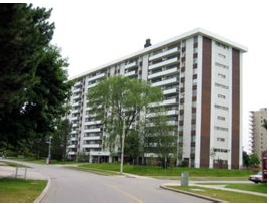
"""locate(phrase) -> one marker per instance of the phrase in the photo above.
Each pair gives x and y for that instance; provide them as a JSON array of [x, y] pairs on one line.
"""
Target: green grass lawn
[[20, 191], [232, 197], [13, 164], [259, 188], [157, 171]]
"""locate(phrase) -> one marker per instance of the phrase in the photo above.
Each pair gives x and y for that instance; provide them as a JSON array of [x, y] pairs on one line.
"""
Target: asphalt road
[[71, 186]]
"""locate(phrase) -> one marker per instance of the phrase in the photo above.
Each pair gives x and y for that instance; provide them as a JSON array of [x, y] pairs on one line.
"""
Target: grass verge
[[258, 188], [19, 190], [173, 173], [232, 197], [13, 164]]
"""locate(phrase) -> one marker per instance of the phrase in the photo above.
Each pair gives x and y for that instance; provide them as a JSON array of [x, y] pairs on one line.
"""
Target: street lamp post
[[49, 155], [122, 144]]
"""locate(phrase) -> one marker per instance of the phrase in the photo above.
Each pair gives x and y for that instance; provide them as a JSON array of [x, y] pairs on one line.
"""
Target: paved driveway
[[71, 186]]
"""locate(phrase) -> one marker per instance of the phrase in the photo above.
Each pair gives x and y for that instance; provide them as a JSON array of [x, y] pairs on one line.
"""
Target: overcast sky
[[93, 33]]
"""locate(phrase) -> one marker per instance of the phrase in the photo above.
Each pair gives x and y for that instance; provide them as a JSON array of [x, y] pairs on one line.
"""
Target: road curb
[[193, 194], [41, 196]]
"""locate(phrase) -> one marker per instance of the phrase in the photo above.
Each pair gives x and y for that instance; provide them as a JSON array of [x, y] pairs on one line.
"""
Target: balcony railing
[[96, 77], [130, 65], [163, 73], [92, 138], [93, 130], [163, 63], [91, 146], [162, 54], [169, 91], [164, 82], [93, 122], [130, 73]]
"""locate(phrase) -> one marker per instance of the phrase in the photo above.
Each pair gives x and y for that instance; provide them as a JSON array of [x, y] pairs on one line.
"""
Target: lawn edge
[[193, 194], [41, 196]]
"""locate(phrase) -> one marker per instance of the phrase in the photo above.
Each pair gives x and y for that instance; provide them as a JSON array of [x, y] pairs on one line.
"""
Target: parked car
[[256, 178]]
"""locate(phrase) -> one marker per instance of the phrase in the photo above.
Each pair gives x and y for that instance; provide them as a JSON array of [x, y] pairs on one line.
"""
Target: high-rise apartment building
[[258, 133], [200, 76]]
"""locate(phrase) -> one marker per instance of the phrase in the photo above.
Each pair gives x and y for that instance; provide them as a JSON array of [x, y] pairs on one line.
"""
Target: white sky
[[93, 33]]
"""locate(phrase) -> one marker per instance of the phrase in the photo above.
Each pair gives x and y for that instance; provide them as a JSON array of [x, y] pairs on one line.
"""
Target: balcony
[[75, 104], [93, 122], [98, 76], [72, 153], [164, 63], [165, 82], [93, 153], [163, 73], [73, 139], [78, 83], [75, 111], [92, 85], [131, 73], [76, 90], [74, 132], [170, 101], [92, 138], [165, 53], [74, 125], [172, 123], [76, 97], [74, 118], [133, 64], [71, 146], [169, 91], [172, 112], [93, 130], [92, 146]]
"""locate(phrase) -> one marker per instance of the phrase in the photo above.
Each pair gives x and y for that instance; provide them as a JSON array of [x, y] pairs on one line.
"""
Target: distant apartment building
[[200, 74], [258, 134]]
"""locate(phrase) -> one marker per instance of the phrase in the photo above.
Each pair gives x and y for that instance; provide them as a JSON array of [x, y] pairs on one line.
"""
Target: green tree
[[60, 140], [32, 77], [246, 159], [160, 137], [24, 32], [133, 146], [120, 99], [44, 101], [254, 160]]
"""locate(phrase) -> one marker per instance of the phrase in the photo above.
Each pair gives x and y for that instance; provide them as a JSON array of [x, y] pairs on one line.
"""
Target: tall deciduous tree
[[118, 99], [160, 137]]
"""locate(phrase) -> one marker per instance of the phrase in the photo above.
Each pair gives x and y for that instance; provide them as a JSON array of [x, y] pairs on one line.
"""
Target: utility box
[[185, 179]]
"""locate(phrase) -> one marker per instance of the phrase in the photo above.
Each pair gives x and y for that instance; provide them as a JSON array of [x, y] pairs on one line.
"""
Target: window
[[222, 55], [219, 139], [222, 45], [221, 128], [221, 96], [221, 118], [221, 65], [222, 75], [221, 107], [221, 85]]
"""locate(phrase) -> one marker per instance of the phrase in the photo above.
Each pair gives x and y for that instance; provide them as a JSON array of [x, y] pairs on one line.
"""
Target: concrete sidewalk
[[20, 172]]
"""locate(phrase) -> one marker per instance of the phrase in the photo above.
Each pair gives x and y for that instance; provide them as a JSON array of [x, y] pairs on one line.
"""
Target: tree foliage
[[60, 140], [24, 32], [33, 80], [254, 160], [159, 136], [119, 98]]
